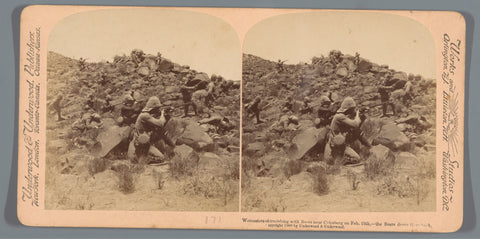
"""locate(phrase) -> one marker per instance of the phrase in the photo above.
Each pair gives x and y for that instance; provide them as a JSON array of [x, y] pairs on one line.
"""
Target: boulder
[[130, 67], [391, 136], [305, 140], [165, 65], [256, 148], [342, 71], [381, 161], [143, 71], [109, 138], [364, 66], [196, 137], [172, 89]]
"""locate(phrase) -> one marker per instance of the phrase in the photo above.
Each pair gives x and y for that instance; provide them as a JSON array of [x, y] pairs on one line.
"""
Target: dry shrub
[[396, 187], [249, 164], [97, 165], [126, 182], [292, 167], [159, 179], [207, 187], [320, 184], [186, 166], [352, 180], [379, 166]]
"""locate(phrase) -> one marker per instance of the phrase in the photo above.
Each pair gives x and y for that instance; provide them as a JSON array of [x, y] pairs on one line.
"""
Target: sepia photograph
[[142, 115], [241, 118], [339, 114]]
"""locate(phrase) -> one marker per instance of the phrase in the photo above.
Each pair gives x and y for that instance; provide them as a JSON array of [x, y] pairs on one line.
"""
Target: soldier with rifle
[[150, 120], [280, 67]]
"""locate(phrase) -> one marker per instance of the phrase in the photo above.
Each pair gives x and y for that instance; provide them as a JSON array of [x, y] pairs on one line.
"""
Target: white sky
[[399, 42], [206, 43]]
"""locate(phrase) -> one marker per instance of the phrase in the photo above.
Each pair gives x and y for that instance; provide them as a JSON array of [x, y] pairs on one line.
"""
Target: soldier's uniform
[[254, 108], [210, 92], [56, 105], [187, 92], [145, 125]]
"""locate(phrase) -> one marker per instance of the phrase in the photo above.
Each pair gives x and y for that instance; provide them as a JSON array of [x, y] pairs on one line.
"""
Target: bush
[[126, 183], [183, 166], [97, 165], [320, 185]]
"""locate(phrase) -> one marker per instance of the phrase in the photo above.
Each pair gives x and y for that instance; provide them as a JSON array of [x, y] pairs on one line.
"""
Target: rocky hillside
[[87, 169]]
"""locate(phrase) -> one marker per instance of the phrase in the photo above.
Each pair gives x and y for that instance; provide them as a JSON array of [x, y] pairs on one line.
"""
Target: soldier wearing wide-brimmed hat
[[147, 122]]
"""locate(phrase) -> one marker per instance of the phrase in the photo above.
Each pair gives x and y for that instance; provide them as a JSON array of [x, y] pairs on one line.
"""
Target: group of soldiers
[[146, 121], [343, 121]]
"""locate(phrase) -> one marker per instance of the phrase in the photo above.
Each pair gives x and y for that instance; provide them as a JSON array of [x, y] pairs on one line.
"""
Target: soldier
[[356, 61], [385, 92], [128, 112], [222, 124], [326, 111], [90, 104], [108, 107], [159, 58], [81, 64], [283, 124], [149, 120], [89, 120], [280, 65], [57, 106], [289, 104], [254, 108], [103, 80], [210, 92], [345, 120], [306, 108], [187, 92]]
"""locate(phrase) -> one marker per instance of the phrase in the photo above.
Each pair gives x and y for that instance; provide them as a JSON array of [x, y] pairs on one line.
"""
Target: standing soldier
[[356, 61], [57, 106], [385, 92], [149, 120], [210, 92], [345, 120], [159, 58], [254, 108], [280, 65], [81, 63], [187, 92]]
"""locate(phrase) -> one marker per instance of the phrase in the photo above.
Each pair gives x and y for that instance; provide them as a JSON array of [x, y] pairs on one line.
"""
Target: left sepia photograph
[[143, 112]]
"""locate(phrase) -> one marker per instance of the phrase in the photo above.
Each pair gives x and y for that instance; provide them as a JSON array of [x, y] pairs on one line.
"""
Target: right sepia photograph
[[339, 114]]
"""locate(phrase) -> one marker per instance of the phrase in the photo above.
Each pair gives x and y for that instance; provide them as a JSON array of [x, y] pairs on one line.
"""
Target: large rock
[[381, 161], [172, 89], [110, 138], [143, 71], [256, 148], [342, 71], [364, 66], [391, 136], [195, 136], [305, 140]]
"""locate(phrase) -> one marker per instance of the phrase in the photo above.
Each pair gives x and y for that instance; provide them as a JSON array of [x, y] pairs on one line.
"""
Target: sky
[[205, 43], [397, 41]]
